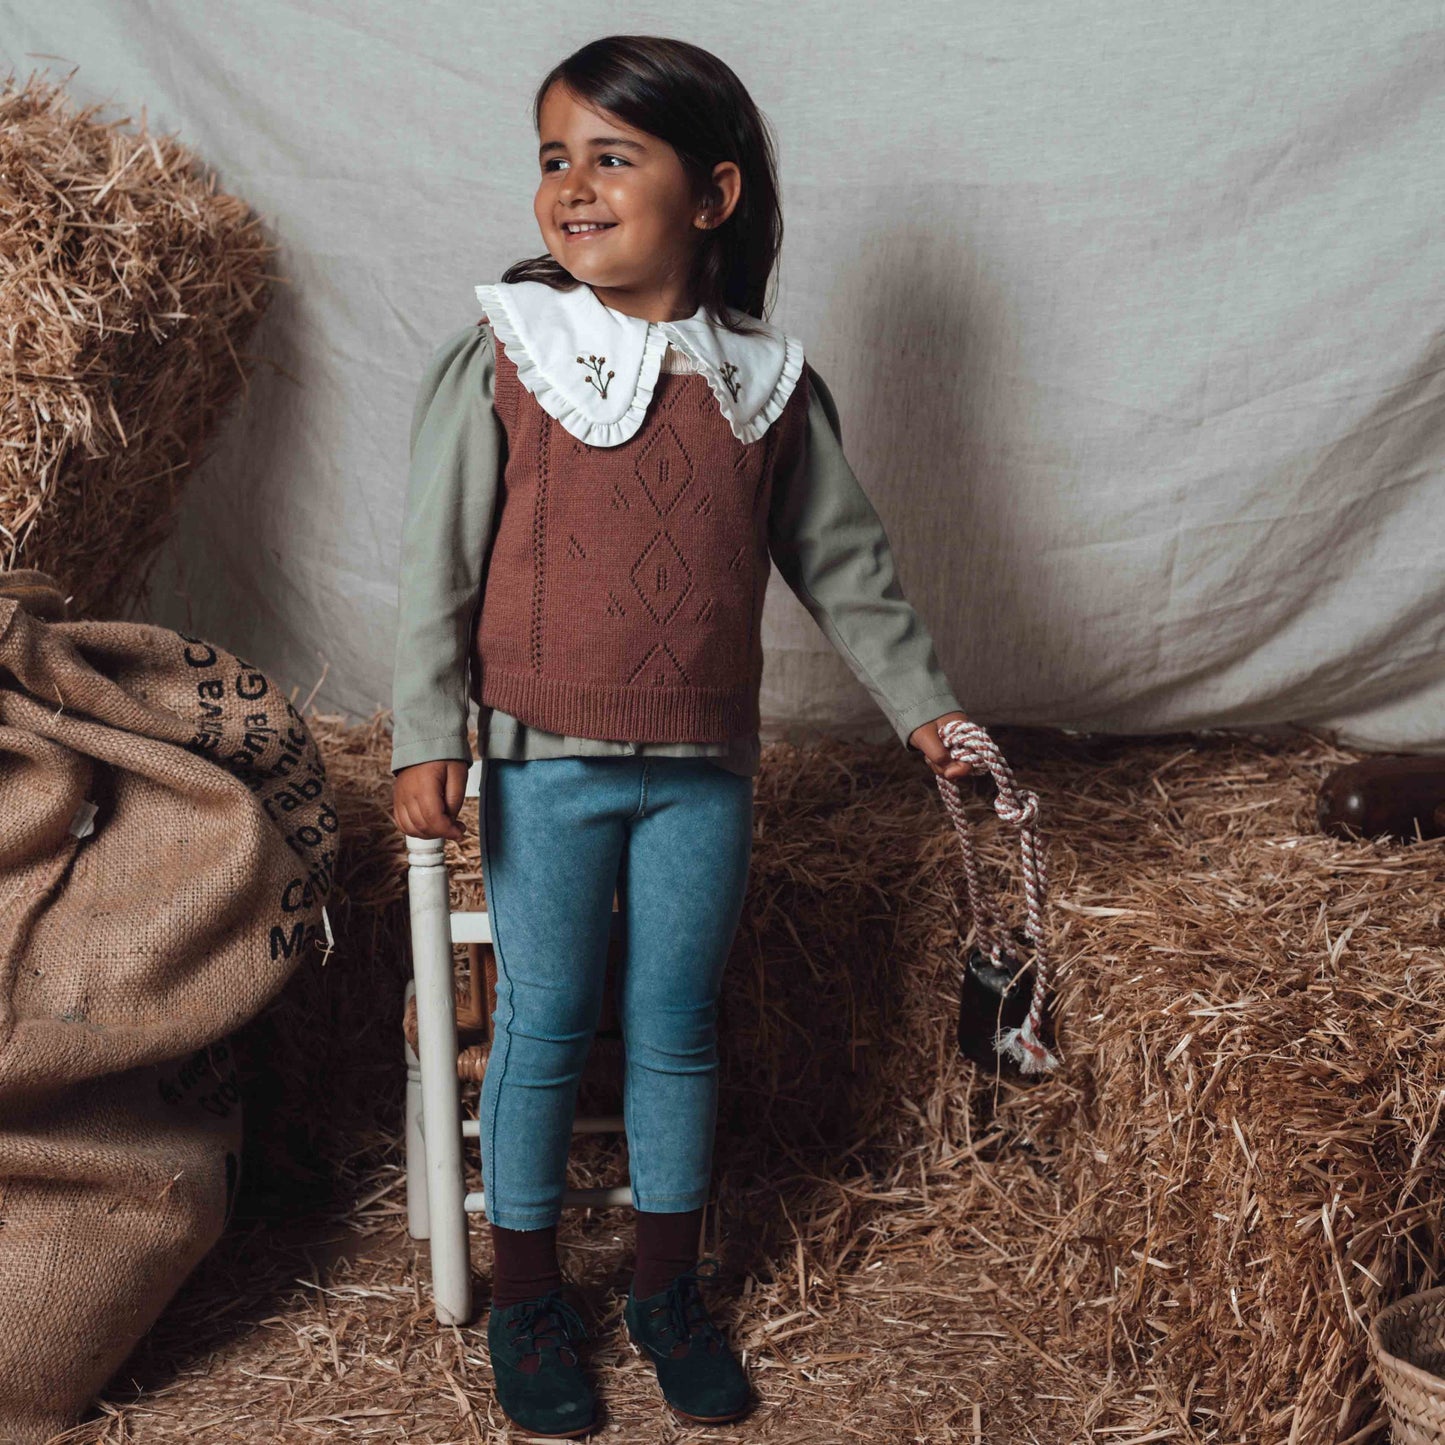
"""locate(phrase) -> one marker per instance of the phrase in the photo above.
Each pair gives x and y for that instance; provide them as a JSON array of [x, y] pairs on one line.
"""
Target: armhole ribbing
[[790, 431], [504, 381]]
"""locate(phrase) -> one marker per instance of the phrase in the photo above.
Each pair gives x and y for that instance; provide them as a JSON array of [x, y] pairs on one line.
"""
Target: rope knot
[[1022, 812]]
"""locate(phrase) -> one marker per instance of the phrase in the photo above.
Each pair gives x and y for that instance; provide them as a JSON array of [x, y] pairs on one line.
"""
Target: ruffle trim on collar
[[751, 431], [551, 398], [548, 330]]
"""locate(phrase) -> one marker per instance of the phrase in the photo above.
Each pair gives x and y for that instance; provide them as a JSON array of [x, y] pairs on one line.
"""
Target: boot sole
[[558, 1435], [708, 1419], [682, 1414]]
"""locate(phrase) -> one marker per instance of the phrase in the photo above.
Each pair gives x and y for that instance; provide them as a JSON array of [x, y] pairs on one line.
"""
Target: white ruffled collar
[[594, 369]]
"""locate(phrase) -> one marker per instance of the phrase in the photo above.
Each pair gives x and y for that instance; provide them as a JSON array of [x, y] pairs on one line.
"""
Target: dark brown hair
[[686, 96]]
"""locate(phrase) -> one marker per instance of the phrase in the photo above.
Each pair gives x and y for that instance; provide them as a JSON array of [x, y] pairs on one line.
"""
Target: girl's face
[[597, 168]]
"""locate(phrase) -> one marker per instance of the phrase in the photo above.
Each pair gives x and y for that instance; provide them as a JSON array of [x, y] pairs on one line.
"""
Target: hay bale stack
[[910, 1247], [1252, 1131], [130, 284], [1181, 1233]]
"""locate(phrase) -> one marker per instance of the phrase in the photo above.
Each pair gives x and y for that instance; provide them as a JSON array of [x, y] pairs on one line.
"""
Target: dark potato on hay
[[1399, 796]]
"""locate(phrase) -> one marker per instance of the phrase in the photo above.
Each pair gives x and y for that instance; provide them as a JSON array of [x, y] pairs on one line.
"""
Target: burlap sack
[[167, 840]]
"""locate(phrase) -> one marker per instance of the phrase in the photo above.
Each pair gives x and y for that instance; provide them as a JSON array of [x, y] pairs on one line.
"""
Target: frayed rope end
[[1023, 1046]]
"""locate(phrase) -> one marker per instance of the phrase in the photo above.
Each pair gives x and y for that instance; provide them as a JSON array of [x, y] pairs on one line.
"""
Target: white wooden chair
[[437, 1201]]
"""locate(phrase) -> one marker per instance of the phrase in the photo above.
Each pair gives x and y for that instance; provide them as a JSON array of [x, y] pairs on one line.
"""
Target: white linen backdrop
[[1133, 312]]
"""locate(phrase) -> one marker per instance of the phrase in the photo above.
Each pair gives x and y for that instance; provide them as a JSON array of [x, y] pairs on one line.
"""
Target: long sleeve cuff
[[911, 719], [405, 754]]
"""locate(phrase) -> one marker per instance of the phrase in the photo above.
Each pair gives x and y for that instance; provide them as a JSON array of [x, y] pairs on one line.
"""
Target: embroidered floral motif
[[728, 372], [596, 364]]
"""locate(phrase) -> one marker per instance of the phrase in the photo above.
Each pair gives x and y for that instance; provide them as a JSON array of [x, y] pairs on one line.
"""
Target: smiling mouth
[[593, 228]]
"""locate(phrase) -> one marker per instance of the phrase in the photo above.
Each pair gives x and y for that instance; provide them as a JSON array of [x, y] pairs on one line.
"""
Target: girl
[[603, 469]]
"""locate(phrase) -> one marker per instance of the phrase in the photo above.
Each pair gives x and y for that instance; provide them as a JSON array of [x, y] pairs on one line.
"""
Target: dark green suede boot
[[538, 1373], [700, 1377]]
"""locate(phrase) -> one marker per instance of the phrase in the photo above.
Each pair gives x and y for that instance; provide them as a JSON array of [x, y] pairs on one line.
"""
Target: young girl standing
[[603, 470]]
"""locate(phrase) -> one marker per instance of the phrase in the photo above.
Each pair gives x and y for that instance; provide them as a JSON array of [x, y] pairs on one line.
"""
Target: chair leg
[[441, 1104], [418, 1217]]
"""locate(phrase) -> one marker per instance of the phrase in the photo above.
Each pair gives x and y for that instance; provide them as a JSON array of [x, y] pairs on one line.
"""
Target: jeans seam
[[489, 1186]]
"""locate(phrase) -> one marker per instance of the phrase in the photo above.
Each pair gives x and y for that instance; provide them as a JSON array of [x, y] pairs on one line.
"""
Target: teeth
[[589, 226]]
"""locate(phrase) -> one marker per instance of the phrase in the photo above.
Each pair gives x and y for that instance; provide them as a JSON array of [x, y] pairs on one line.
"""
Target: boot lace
[[687, 1317], [547, 1320]]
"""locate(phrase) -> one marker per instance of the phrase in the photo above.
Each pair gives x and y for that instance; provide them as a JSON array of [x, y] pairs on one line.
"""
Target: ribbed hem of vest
[[631, 714]]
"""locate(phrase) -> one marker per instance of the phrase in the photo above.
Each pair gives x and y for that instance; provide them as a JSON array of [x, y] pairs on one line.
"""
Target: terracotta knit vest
[[624, 591]]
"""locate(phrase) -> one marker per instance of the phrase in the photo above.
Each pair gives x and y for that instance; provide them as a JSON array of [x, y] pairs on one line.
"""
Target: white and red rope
[[969, 742]]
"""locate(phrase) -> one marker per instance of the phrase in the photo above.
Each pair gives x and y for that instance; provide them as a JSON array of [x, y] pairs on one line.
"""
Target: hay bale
[[130, 284], [1251, 1134]]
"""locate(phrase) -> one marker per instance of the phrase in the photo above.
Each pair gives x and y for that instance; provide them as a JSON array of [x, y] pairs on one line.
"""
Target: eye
[[548, 164]]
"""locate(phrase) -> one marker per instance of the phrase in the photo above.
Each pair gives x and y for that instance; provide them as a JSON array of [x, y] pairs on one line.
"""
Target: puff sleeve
[[458, 449], [829, 544]]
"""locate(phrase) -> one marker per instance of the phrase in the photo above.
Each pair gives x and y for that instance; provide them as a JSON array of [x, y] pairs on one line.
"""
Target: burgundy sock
[[524, 1264], [666, 1246]]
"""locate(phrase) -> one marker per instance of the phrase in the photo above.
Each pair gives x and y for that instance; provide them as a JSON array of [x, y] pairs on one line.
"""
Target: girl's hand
[[427, 797], [928, 742]]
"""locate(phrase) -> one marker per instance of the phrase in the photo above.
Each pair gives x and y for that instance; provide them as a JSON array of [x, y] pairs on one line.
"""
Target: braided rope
[[969, 742]]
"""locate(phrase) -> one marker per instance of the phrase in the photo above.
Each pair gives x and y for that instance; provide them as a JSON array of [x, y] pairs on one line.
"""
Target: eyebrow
[[597, 140]]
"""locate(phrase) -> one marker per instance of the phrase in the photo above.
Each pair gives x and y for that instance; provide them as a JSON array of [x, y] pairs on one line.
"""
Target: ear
[[726, 189]]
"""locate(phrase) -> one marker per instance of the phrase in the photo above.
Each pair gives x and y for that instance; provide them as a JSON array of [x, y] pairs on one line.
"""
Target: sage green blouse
[[824, 537]]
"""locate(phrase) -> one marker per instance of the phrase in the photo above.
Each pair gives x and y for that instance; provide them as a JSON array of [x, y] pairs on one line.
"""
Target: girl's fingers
[[456, 788], [440, 823], [430, 820], [952, 769], [419, 799]]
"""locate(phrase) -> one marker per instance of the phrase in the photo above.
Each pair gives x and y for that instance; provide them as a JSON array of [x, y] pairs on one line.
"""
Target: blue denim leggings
[[674, 837]]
